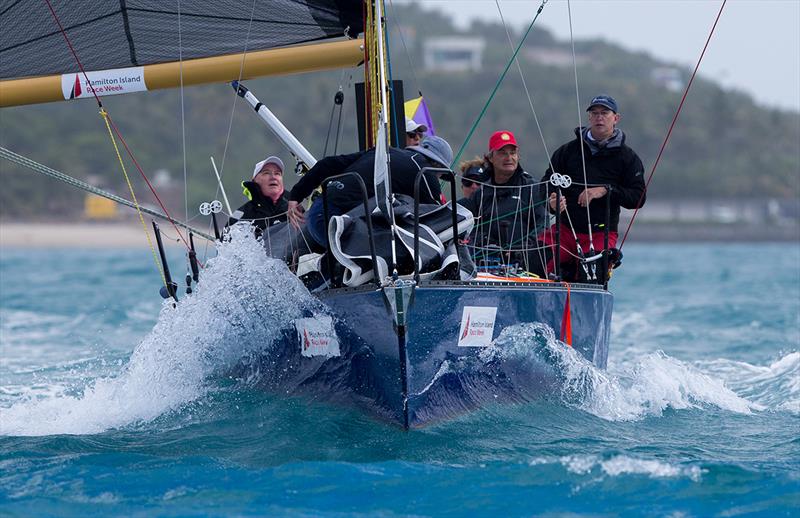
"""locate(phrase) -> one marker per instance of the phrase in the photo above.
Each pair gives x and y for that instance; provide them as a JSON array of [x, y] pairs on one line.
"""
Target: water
[[114, 404]]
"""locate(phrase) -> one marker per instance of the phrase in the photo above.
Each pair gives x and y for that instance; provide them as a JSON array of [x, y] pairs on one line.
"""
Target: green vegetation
[[723, 145]]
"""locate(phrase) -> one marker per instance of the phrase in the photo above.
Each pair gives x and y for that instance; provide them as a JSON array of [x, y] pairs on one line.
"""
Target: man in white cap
[[267, 203], [414, 132]]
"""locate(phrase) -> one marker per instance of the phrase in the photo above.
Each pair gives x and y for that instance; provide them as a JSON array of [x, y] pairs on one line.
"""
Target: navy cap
[[604, 100]]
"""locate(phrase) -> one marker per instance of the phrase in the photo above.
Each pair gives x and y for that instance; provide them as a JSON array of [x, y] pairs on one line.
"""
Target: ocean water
[[113, 403]]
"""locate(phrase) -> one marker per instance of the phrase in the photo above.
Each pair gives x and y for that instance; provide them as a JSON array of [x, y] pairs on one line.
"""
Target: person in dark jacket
[[614, 174], [345, 194], [473, 172], [509, 208], [267, 203]]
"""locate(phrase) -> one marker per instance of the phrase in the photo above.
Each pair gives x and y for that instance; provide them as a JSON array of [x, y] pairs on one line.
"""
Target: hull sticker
[[477, 326], [317, 337]]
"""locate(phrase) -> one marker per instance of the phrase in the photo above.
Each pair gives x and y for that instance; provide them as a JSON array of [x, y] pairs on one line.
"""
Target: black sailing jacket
[[260, 209], [346, 194], [509, 215], [616, 165]]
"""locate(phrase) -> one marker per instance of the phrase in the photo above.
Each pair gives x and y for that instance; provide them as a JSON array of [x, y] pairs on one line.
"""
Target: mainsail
[[130, 34]]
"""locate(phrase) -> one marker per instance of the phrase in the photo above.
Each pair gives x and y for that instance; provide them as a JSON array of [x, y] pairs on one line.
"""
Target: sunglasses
[[415, 134], [467, 183]]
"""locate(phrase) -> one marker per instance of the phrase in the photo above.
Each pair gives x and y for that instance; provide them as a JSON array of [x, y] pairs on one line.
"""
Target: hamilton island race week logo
[[477, 326], [317, 336], [104, 82]]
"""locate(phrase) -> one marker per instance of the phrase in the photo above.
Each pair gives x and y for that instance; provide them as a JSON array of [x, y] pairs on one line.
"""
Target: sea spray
[[775, 386], [241, 305], [645, 387]]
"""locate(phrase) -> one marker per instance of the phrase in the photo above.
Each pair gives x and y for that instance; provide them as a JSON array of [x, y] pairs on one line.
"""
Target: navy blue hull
[[429, 372]]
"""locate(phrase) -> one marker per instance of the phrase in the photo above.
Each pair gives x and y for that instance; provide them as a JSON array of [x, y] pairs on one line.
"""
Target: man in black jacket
[[267, 203], [509, 208], [345, 194], [614, 174]]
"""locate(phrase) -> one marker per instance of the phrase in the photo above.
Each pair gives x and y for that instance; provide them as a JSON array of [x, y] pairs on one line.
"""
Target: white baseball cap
[[269, 160], [412, 126]]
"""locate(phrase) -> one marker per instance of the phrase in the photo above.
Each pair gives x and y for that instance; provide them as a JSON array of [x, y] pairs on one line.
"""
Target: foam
[[646, 386], [624, 465], [240, 306], [775, 386]]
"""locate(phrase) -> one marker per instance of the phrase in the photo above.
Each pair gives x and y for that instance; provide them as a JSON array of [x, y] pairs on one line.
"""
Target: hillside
[[724, 145]]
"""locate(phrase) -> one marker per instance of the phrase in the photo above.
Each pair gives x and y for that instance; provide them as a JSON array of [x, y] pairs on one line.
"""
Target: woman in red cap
[[509, 208]]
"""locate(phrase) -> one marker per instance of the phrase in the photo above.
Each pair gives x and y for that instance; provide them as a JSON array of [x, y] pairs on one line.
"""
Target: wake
[[641, 387]]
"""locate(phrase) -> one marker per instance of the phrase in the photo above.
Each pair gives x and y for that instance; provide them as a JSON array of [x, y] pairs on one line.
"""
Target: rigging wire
[[69, 180], [111, 125], [396, 20], [530, 99], [580, 130], [497, 85], [672, 125], [183, 118], [233, 111], [235, 95]]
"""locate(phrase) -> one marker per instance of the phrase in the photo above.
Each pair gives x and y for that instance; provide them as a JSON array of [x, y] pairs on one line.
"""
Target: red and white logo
[[477, 326], [317, 337], [76, 88], [103, 82]]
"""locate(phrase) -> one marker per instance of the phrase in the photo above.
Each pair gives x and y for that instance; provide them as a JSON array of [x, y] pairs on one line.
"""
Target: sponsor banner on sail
[[317, 337], [103, 82], [477, 326]]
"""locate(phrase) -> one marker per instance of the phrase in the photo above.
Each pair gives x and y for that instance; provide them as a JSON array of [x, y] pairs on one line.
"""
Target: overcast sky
[[755, 47]]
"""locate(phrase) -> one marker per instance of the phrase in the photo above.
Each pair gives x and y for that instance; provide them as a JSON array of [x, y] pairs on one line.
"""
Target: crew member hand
[[590, 194], [295, 213], [553, 203]]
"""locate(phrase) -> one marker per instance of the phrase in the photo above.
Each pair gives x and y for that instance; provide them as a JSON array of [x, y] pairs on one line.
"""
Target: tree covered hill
[[724, 145]]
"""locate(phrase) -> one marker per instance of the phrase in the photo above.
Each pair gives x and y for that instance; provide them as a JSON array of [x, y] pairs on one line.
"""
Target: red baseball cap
[[500, 139]]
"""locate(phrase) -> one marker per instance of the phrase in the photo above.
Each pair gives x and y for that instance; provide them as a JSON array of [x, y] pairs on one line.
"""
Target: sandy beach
[[79, 235]]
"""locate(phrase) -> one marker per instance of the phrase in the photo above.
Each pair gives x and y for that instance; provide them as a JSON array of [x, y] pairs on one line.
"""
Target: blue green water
[[111, 404]]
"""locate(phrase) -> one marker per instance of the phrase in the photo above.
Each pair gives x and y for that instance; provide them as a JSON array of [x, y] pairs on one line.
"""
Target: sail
[[130, 33], [139, 45]]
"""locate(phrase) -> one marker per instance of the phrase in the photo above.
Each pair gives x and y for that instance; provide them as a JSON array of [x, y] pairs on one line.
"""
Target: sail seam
[[127, 25], [4, 11], [58, 32]]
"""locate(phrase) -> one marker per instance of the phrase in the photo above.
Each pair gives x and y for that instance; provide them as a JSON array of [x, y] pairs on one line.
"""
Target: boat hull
[[431, 369]]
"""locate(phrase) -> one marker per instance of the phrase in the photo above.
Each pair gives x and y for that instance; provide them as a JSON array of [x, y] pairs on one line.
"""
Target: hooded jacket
[[612, 163], [261, 210]]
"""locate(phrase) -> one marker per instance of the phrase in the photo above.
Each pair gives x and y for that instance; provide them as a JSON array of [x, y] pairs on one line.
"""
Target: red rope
[[119, 135], [674, 120]]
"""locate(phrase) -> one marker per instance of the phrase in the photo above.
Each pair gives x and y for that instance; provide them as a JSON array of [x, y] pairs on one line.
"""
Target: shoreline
[[131, 234], [78, 235]]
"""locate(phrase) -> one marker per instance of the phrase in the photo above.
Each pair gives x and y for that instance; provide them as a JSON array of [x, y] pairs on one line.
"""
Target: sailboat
[[395, 333]]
